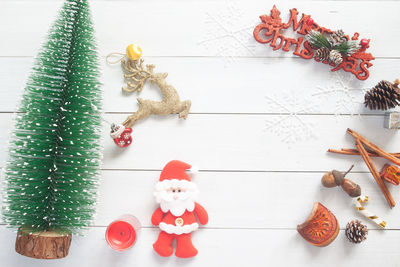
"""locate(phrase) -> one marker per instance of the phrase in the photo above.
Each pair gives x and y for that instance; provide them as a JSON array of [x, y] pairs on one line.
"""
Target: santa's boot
[[163, 244], [184, 246]]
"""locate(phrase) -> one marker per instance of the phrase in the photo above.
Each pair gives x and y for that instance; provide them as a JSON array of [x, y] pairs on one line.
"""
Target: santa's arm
[[157, 217], [201, 213]]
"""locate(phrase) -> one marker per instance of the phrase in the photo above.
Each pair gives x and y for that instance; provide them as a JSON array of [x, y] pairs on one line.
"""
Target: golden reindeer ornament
[[136, 75]]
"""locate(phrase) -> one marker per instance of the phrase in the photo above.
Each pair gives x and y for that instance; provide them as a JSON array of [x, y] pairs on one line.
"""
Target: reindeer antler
[[135, 75]]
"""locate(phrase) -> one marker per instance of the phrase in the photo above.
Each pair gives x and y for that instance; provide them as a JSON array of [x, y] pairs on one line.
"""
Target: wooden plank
[[240, 142], [245, 199], [194, 28], [245, 86], [247, 142], [264, 200], [221, 248]]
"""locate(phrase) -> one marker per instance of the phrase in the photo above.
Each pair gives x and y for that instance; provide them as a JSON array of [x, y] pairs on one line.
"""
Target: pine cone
[[383, 96], [322, 53], [337, 37], [356, 232], [335, 57]]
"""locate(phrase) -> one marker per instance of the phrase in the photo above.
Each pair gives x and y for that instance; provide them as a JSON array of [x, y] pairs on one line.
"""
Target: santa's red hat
[[175, 169], [176, 173]]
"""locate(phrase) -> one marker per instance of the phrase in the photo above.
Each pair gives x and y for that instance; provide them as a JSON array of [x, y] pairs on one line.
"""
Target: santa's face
[[176, 196], [177, 192]]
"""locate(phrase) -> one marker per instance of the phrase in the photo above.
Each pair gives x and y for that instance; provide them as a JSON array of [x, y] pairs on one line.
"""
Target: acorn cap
[[339, 177]]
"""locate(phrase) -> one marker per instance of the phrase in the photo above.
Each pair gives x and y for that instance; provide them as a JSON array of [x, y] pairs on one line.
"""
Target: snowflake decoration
[[342, 89], [228, 32], [290, 124]]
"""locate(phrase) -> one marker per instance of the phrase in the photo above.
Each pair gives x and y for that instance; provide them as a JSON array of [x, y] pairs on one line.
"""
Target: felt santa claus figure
[[176, 216]]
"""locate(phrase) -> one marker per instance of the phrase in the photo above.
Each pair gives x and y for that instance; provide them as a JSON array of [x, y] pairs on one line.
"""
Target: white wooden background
[[260, 125]]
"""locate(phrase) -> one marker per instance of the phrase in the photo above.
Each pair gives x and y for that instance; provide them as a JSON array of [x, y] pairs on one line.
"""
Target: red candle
[[121, 234]]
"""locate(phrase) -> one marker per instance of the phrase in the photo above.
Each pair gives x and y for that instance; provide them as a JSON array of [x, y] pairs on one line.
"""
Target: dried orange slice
[[390, 174], [320, 228]]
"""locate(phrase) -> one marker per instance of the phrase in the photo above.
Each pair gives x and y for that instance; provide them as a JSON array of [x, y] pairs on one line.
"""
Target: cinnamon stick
[[373, 147], [355, 152], [375, 173], [397, 155]]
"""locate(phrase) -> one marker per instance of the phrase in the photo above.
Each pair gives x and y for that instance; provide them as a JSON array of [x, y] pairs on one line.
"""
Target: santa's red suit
[[176, 216]]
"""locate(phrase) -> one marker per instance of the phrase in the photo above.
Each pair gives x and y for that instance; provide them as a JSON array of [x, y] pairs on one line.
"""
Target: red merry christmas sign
[[269, 31]]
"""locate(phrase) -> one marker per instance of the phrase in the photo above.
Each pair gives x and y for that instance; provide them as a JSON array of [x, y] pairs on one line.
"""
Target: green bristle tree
[[53, 166]]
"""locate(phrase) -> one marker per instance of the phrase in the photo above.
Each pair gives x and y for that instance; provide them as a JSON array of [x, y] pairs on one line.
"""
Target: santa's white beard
[[178, 206]]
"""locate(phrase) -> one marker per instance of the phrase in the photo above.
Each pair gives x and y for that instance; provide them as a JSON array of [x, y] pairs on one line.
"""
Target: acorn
[[351, 188], [328, 180], [336, 178]]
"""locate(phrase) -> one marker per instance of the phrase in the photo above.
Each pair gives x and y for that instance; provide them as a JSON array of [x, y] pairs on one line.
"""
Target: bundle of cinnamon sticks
[[374, 151]]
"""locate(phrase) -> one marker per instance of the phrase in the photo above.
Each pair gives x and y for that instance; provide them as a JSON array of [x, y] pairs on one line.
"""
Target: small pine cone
[[356, 232], [322, 53], [335, 57], [383, 96], [337, 37]]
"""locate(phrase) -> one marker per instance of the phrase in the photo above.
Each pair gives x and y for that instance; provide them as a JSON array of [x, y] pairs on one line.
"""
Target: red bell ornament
[[310, 22], [364, 43], [121, 135]]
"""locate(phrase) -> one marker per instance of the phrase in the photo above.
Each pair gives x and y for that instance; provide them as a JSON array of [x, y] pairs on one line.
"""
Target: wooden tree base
[[42, 245]]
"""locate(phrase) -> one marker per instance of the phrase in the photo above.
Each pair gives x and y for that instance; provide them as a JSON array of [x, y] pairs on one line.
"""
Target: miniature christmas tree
[[54, 153]]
